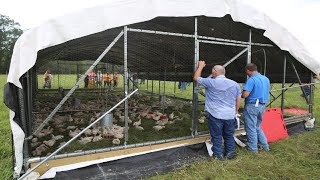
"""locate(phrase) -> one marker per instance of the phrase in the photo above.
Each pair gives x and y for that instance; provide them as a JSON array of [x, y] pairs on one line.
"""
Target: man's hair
[[251, 67]]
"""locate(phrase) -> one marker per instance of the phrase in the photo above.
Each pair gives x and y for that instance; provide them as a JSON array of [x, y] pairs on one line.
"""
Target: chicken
[[171, 122], [202, 119], [85, 140], [71, 127], [156, 118], [50, 142], [140, 128], [158, 128], [34, 144], [88, 132], [137, 123], [97, 138], [57, 137], [96, 115], [171, 115], [118, 135], [74, 133], [116, 141], [70, 119], [39, 150], [95, 131]]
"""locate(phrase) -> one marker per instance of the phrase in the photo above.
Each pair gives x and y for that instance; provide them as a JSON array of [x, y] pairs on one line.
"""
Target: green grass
[[5, 136], [297, 157]]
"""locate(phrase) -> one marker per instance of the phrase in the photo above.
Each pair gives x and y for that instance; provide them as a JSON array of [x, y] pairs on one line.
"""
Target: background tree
[[9, 33]]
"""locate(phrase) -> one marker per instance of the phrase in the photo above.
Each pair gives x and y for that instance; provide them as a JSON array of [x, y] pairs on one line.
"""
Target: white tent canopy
[[125, 12]]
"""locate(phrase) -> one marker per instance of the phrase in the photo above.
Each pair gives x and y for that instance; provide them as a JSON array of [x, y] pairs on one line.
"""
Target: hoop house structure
[[157, 41]]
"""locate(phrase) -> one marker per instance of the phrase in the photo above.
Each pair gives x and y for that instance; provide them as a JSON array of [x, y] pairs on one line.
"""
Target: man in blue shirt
[[256, 94], [223, 98]]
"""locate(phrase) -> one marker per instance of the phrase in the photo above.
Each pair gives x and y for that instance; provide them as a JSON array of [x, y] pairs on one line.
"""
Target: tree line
[[9, 33]]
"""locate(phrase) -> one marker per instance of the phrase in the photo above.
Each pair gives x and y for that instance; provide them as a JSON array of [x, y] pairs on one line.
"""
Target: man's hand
[[201, 64], [197, 74]]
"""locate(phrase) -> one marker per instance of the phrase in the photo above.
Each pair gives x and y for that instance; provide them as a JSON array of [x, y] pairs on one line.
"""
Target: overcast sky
[[300, 17]]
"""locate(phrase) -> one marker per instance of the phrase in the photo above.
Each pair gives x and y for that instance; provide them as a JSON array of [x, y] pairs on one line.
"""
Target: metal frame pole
[[147, 82], [174, 89], [152, 86], [311, 97], [283, 83], [125, 69], [159, 86], [58, 74], [265, 62], [212, 39], [195, 84], [164, 82], [249, 48], [235, 57], [300, 83]]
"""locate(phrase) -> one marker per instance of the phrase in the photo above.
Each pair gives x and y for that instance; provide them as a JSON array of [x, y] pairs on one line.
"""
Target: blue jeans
[[222, 128], [183, 85], [252, 121]]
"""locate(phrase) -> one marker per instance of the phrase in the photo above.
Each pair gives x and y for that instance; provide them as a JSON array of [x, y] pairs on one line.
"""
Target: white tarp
[[123, 12]]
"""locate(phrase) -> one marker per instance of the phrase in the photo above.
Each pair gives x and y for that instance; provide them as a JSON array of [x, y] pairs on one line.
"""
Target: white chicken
[[158, 128], [85, 140], [116, 141], [140, 128], [137, 123]]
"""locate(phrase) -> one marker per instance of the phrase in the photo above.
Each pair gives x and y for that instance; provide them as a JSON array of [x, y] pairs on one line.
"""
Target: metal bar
[[164, 82], [147, 84], [195, 84], [265, 62], [160, 32], [199, 37], [222, 43], [295, 86], [75, 86], [235, 57], [283, 82], [125, 69], [60, 156], [75, 137], [152, 86], [311, 97], [58, 74], [174, 88], [304, 93], [159, 87], [249, 49], [234, 41]]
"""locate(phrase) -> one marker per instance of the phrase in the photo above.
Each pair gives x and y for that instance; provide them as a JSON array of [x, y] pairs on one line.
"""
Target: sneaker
[[220, 158], [230, 156], [250, 150]]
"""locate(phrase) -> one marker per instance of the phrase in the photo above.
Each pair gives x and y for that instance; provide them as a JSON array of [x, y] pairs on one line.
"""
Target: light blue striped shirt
[[221, 94]]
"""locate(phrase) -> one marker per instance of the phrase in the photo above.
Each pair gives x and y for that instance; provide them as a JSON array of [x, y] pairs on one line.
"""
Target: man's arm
[[245, 94], [238, 102], [197, 74]]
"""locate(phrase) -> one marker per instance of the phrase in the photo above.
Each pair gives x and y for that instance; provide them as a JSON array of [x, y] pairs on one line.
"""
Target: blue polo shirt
[[221, 94], [258, 86]]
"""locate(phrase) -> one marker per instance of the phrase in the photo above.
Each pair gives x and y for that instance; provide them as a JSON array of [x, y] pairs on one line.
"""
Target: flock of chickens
[[64, 126]]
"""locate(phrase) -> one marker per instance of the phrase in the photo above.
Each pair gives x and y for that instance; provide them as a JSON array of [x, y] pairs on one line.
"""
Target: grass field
[[297, 157]]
